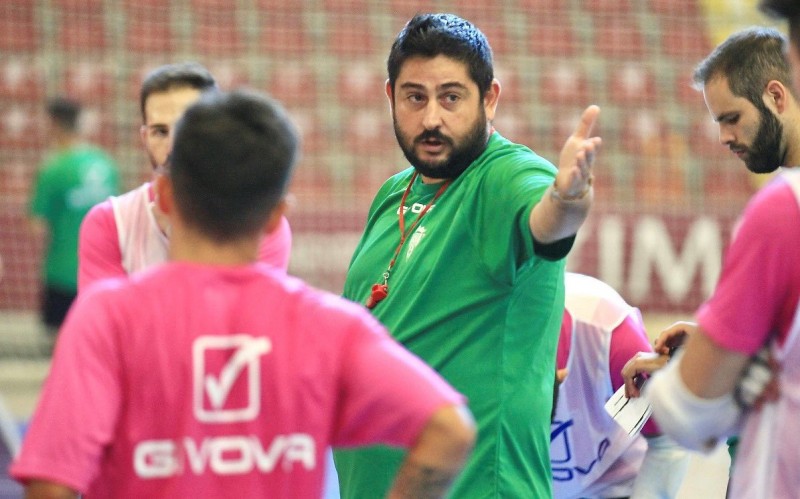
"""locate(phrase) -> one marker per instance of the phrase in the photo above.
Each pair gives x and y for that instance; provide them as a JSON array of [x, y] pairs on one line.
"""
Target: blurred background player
[[216, 375], [74, 177], [591, 454], [127, 233]]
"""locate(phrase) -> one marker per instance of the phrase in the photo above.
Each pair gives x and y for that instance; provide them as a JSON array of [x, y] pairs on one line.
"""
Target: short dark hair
[[749, 59], [173, 76], [430, 35], [64, 112], [231, 162], [784, 9]]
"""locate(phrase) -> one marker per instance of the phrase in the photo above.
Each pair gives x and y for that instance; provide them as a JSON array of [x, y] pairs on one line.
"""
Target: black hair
[[231, 162], [430, 35], [174, 76], [749, 59], [64, 112]]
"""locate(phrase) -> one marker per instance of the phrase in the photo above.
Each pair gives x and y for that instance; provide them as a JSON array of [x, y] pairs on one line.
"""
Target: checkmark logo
[[213, 383]]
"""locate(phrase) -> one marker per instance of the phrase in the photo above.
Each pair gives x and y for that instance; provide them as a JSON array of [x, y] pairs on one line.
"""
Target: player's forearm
[[39, 489], [556, 217], [438, 456]]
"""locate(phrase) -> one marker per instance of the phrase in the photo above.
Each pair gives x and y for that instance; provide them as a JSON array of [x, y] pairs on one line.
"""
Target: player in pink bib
[[215, 375], [698, 398], [127, 233]]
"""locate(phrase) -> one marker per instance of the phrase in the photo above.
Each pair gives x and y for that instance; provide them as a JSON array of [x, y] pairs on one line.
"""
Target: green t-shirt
[[69, 183], [471, 297]]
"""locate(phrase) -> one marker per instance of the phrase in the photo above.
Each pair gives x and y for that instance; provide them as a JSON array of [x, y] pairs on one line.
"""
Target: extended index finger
[[587, 121]]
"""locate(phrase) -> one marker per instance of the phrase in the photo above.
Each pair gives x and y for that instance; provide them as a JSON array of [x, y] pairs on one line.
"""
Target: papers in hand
[[631, 413]]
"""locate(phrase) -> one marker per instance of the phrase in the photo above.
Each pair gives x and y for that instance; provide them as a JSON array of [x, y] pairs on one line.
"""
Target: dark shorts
[[55, 305]]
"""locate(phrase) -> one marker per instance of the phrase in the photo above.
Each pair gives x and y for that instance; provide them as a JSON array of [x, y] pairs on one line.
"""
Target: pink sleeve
[[388, 393], [757, 294], [276, 247], [79, 403], [628, 339], [99, 255]]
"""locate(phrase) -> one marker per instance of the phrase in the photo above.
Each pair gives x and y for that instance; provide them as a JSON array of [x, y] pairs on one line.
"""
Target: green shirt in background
[[69, 183], [471, 297]]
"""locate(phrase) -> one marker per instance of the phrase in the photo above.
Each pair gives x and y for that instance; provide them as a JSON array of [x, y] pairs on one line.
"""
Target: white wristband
[[695, 423]]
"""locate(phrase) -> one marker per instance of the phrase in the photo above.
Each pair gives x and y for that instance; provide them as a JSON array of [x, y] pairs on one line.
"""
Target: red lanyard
[[381, 291]]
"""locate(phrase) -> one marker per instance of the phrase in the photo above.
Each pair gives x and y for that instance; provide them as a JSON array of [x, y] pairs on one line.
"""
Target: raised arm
[[564, 207], [436, 458]]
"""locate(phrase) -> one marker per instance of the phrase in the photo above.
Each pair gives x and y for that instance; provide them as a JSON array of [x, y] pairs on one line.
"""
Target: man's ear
[[278, 212], [143, 135], [491, 98], [164, 199], [776, 94], [390, 94]]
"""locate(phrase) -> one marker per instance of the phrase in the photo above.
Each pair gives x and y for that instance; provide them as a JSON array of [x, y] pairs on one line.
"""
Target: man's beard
[[461, 155], [765, 154]]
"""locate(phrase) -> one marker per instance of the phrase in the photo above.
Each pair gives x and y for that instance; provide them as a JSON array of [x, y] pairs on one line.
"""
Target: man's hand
[[641, 365], [673, 337], [566, 203], [574, 178]]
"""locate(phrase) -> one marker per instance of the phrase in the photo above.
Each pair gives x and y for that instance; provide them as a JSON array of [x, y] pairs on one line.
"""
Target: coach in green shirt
[[462, 258]]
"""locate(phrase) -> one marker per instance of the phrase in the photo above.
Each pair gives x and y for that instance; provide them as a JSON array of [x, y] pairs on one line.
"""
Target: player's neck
[[189, 246]]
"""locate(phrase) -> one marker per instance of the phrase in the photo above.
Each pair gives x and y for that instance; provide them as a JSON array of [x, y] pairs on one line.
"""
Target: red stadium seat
[[368, 131], [370, 172], [516, 125], [309, 124], [88, 82], [346, 7], [18, 26], [685, 93], [675, 7], [82, 26], [311, 182], [22, 127], [270, 7], [219, 38], [361, 84], [498, 37], [684, 39], [564, 84], [294, 84], [148, 30], [482, 14], [99, 126], [544, 7], [350, 38], [222, 6], [551, 35], [21, 80], [511, 86], [619, 38], [641, 127], [632, 83], [285, 35], [727, 182], [79, 5], [704, 138], [228, 75], [612, 7], [403, 10]]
